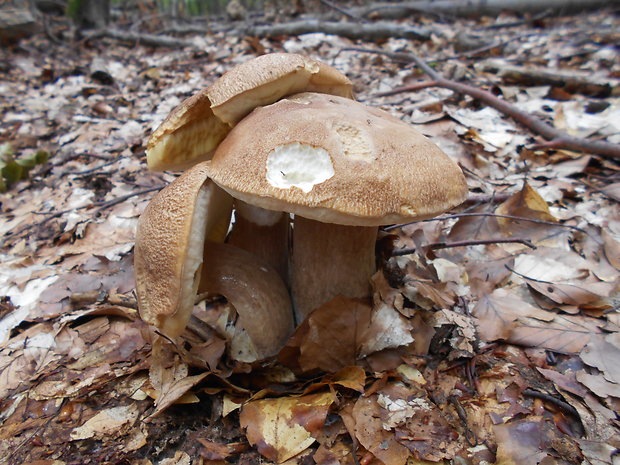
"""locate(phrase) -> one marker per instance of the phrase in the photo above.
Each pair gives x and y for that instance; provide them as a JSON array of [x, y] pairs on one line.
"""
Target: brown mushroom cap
[[334, 160], [267, 79], [193, 130], [258, 294], [169, 247]]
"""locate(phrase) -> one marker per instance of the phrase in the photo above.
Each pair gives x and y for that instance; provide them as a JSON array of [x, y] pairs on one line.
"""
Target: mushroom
[[342, 169], [179, 251], [193, 130]]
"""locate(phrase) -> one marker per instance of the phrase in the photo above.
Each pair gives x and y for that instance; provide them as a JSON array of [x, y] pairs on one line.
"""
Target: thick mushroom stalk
[[264, 233], [330, 260]]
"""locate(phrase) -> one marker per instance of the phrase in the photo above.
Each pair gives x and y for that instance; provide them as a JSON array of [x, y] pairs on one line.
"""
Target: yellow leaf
[[282, 428]]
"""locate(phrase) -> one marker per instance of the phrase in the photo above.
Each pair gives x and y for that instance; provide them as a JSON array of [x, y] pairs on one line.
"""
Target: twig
[[410, 88], [503, 240], [90, 155], [91, 170], [122, 198], [529, 21], [101, 205], [448, 245], [510, 217], [555, 138], [557, 402], [486, 48], [491, 198], [405, 58]]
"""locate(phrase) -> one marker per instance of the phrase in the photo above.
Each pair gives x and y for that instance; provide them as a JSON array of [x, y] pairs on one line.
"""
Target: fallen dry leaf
[[523, 442], [330, 338], [564, 334], [369, 431], [387, 329], [107, 423], [598, 384], [169, 378], [283, 427], [497, 314], [605, 356]]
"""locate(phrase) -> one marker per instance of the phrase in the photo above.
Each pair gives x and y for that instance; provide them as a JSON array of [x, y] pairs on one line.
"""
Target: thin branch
[[410, 88], [466, 215], [556, 138], [122, 198], [90, 170], [402, 57], [490, 198], [448, 245], [528, 21], [101, 205], [486, 48], [557, 402]]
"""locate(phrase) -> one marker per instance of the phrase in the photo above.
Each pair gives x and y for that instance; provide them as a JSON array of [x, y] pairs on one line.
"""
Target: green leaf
[[12, 171]]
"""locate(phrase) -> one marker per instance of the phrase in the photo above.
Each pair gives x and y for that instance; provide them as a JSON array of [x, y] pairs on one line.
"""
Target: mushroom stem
[[330, 260], [264, 233]]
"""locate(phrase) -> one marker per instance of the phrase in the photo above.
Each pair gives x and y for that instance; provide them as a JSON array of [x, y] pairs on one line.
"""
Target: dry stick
[[555, 138], [122, 198], [449, 245], [490, 198], [90, 170], [509, 217], [486, 48], [557, 402], [529, 21]]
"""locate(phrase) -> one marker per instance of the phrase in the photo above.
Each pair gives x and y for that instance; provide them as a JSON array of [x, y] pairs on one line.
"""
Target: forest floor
[[503, 352]]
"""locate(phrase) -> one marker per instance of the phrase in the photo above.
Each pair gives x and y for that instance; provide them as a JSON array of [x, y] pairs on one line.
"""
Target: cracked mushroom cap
[[335, 160], [194, 129], [169, 247]]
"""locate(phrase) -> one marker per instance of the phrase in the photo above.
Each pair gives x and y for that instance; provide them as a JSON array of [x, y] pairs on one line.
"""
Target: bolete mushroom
[[179, 251], [343, 169], [193, 130]]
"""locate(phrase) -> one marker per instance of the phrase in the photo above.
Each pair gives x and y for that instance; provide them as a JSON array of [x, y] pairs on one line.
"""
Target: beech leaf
[[283, 427]]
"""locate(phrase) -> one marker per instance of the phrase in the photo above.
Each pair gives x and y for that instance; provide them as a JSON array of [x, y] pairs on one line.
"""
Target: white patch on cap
[[298, 165], [355, 143]]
